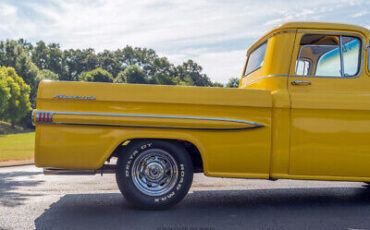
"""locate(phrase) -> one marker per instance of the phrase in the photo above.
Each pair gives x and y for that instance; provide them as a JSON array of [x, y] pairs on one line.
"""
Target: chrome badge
[[62, 96]]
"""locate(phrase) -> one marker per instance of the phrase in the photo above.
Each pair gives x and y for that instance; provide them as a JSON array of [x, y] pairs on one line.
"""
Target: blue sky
[[215, 33]]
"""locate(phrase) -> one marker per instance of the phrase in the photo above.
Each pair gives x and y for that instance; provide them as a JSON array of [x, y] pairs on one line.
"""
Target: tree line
[[24, 65]]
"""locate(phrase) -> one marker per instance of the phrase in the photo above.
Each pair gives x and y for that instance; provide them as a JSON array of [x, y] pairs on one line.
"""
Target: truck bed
[[80, 124]]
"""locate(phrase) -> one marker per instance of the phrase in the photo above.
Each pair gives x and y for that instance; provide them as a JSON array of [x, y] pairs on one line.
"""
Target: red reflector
[[44, 117]]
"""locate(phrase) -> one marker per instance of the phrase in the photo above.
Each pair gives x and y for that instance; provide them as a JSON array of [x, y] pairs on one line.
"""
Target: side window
[[329, 56], [302, 67], [328, 63], [255, 59], [351, 55]]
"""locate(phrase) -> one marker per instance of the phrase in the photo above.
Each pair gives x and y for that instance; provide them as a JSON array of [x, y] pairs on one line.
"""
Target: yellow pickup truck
[[302, 111]]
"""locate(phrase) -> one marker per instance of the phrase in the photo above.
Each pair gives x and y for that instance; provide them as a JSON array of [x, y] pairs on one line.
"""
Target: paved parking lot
[[30, 200]]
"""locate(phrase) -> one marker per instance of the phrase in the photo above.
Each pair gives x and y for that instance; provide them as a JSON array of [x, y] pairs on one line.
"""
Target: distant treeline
[[33, 63]]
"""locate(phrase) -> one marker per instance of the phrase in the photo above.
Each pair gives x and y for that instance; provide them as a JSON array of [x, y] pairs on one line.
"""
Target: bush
[[18, 104], [96, 75], [132, 74]]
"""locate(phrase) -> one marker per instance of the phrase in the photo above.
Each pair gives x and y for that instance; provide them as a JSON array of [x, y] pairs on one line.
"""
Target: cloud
[[7, 10], [214, 33], [360, 14]]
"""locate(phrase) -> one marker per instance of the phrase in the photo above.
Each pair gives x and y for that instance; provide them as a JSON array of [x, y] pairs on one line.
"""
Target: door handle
[[303, 83]]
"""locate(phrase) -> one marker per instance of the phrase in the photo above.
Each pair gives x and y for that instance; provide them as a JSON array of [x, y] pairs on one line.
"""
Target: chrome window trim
[[252, 71], [368, 56], [271, 35], [255, 124], [258, 44], [341, 56], [362, 52], [259, 67]]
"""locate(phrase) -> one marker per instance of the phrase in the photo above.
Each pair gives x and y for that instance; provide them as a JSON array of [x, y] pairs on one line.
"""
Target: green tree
[[163, 79], [14, 54], [184, 81], [48, 57], [191, 70], [40, 55], [46, 74], [217, 84], [132, 74], [112, 61], [75, 62], [162, 72], [233, 83], [96, 75], [4, 93], [18, 104]]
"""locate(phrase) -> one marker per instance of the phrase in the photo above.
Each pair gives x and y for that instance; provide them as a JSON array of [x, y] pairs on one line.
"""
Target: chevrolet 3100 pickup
[[302, 111]]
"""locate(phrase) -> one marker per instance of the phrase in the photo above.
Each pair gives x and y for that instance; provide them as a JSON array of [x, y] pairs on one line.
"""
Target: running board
[[56, 171]]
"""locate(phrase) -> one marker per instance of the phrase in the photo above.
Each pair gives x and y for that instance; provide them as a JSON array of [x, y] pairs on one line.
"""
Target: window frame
[[308, 60], [246, 65], [340, 35], [367, 48]]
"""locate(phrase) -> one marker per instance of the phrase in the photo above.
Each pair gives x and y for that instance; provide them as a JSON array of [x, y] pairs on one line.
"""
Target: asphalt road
[[30, 200]]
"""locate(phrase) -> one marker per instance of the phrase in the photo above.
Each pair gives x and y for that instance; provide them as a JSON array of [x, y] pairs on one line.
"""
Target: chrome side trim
[[157, 127], [263, 77], [255, 124]]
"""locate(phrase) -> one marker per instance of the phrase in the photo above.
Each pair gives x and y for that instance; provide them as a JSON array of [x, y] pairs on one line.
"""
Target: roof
[[314, 26], [322, 26]]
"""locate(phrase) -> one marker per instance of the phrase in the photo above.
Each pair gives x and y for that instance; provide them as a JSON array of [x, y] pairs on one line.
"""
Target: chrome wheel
[[154, 172]]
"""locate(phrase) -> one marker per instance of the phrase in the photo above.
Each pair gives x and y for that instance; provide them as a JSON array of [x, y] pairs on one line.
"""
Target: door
[[330, 107]]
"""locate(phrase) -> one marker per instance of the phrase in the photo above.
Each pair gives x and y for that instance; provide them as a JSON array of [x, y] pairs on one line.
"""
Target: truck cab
[[302, 111], [318, 75]]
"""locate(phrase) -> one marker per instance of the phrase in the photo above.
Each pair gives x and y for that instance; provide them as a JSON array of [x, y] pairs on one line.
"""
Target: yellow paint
[[318, 132]]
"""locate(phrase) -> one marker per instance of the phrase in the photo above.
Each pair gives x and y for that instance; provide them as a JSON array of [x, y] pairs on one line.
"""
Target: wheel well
[[190, 148]]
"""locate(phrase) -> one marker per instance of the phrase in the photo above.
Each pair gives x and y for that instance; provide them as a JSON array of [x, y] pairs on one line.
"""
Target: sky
[[214, 33]]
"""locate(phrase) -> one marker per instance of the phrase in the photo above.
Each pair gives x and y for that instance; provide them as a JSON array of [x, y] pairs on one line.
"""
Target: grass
[[17, 146]]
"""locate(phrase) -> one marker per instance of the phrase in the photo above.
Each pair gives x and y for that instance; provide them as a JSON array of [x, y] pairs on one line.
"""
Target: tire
[[154, 174]]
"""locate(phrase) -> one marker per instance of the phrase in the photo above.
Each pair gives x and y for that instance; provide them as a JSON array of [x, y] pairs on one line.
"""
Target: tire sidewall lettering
[[181, 173], [132, 157], [176, 188]]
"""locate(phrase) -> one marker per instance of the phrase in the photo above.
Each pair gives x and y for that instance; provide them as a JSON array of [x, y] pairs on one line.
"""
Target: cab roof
[[322, 26], [314, 26]]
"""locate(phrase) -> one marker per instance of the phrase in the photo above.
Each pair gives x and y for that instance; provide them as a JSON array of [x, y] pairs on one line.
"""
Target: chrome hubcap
[[154, 172]]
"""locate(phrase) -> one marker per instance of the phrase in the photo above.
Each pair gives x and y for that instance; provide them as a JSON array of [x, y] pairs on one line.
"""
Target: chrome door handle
[[296, 82]]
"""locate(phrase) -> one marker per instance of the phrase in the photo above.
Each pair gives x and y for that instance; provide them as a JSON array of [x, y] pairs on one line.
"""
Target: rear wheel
[[154, 174]]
